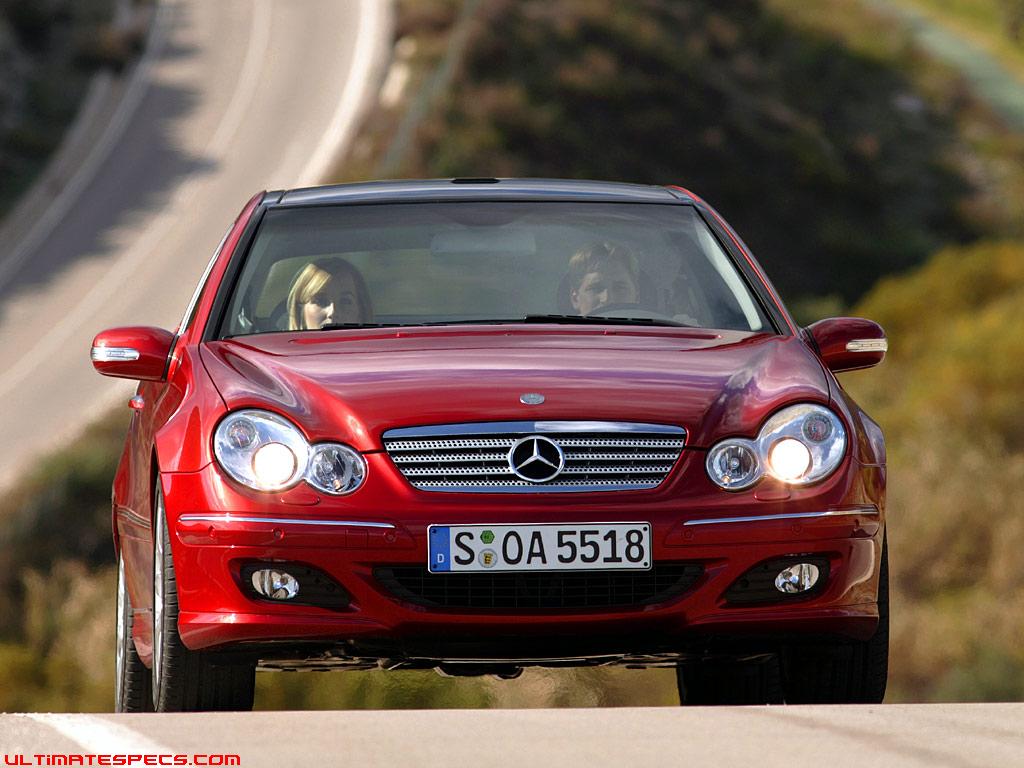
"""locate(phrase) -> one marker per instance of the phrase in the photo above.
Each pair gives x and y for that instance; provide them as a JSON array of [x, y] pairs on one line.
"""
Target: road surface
[[925, 736], [231, 97]]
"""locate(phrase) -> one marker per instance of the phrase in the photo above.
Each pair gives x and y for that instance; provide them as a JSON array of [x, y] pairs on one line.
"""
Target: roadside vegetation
[[995, 25], [796, 120], [948, 396], [869, 180], [49, 49]]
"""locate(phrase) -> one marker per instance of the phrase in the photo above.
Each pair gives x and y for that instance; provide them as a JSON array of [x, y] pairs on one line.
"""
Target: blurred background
[[870, 152]]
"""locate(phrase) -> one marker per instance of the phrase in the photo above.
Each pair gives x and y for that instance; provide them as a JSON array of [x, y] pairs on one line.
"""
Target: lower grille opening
[[581, 589]]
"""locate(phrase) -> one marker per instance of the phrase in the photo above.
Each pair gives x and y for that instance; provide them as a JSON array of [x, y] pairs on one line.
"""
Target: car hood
[[354, 385]]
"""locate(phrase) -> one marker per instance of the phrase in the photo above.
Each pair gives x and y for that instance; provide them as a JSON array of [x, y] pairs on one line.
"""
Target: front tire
[[729, 681], [184, 680], [843, 672], [132, 680]]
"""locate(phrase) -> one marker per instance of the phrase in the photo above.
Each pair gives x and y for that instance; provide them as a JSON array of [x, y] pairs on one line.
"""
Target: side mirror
[[849, 343], [135, 352]]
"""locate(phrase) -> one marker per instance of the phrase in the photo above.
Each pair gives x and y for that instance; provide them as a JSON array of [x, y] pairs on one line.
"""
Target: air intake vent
[[536, 456], [520, 591]]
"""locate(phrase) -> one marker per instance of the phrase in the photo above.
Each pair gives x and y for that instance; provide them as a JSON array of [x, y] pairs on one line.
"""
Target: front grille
[[570, 589], [598, 456]]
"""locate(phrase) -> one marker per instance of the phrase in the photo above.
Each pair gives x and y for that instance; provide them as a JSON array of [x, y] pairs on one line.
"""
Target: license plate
[[539, 547]]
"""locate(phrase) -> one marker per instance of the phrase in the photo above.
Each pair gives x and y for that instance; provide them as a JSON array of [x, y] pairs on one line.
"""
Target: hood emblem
[[536, 459], [531, 398]]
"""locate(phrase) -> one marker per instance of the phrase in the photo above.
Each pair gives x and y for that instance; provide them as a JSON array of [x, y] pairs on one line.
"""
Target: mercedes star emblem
[[536, 459]]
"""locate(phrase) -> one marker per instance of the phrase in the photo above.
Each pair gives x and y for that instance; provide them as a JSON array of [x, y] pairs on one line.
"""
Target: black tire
[[843, 672], [132, 679], [184, 680], [730, 681]]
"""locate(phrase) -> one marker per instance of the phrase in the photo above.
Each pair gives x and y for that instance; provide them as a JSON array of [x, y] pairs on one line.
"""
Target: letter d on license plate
[[539, 547]]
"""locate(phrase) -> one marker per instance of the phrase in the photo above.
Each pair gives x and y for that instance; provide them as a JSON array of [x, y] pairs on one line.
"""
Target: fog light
[[797, 578], [277, 585]]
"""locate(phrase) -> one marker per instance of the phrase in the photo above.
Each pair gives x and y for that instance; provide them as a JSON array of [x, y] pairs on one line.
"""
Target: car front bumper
[[218, 528]]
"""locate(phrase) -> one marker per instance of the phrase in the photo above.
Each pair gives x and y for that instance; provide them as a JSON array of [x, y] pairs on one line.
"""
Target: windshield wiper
[[343, 326], [428, 324], [599, 320], [563, 319]]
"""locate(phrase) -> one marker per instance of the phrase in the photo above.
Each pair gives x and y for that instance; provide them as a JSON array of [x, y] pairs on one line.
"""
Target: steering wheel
[[630, 309]]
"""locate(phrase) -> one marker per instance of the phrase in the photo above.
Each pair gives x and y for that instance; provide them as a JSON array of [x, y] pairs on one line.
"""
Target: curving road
[[231, 97], [893, 736]]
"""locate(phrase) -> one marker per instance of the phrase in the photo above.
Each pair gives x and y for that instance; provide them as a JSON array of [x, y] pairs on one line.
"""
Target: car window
[[487, 261]]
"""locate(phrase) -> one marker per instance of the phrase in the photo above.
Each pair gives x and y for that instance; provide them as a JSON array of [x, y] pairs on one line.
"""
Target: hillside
[[838, 151], [948, 396], [48, 50]]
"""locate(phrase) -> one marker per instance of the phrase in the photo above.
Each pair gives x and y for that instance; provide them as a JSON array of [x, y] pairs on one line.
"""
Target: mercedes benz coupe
[[476, 425]]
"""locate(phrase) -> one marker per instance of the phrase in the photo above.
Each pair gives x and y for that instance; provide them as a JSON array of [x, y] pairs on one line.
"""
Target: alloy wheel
[[158, 593], [120, 653]]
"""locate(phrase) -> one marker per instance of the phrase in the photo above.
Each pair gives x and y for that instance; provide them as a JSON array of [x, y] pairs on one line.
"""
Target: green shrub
[[948, 398]]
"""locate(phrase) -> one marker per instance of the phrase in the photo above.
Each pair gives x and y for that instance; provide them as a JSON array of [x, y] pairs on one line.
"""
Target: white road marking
[[343, 123], [98, 736], [248, 82], [56, 212]]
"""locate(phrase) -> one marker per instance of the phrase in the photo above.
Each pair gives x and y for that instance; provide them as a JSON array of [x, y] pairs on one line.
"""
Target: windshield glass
[[435, 263]]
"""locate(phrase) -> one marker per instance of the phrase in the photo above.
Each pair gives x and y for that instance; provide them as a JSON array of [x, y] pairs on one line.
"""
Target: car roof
[[478, 189]]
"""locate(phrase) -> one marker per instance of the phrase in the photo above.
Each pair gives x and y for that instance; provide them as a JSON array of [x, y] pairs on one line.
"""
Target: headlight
[[804, 443], [799, 445], [734, 464], [261, 450], [267, 452], [335, 469]]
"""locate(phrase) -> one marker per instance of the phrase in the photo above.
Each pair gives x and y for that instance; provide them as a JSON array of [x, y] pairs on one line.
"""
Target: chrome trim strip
[[279, 521], [529, 427], [113, 354], [500, 458], [869, 511], [868, 345], [504, 442], [414, 472], [524, 487]]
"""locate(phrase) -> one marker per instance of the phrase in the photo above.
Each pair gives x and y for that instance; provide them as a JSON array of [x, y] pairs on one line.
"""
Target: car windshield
[[350, 266]]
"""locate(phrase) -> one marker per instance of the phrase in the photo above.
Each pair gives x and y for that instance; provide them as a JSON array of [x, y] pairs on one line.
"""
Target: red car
[[477, 425]]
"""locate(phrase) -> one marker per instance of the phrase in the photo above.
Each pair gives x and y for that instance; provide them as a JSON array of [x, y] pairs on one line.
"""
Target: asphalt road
[[936, 735], [231, 97]]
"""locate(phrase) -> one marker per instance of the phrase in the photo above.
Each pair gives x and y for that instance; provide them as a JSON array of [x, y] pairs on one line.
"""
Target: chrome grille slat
[[621, 456], [517, 483], [428, 458], [569, 442], [428, 471], [643, 469], [474, 457], [433, 445], [441, 471], [574, 442]]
